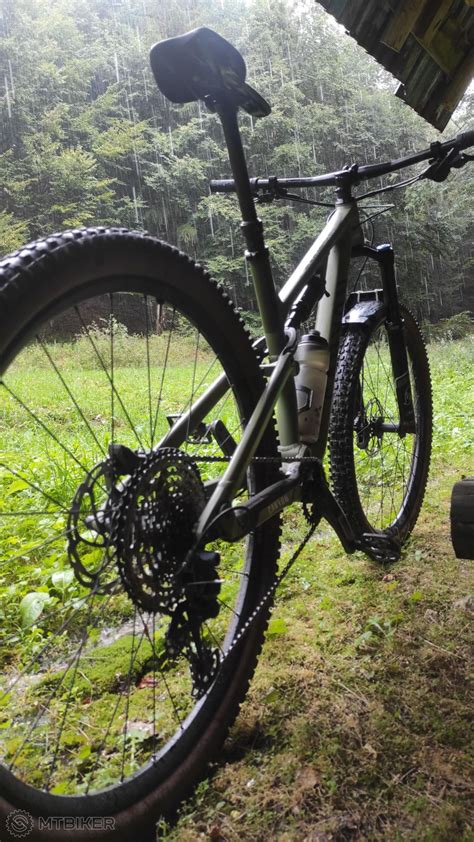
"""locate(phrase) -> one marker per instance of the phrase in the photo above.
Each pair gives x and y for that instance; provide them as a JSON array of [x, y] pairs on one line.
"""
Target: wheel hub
[[369, 427]]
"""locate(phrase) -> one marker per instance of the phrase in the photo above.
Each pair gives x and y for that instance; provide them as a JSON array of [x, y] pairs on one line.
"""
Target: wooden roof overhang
[[427, 44]]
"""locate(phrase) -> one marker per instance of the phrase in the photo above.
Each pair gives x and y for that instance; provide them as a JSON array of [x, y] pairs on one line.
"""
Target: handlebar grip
[[225, 185], [465, 139]]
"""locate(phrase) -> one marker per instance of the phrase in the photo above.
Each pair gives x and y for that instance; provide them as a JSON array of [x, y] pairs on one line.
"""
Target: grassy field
[[356, 725], [79, 665]]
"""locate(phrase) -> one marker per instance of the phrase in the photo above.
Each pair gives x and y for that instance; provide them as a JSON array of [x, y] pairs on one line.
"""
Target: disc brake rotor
[[90, 549], [368, 427], [137, 533]]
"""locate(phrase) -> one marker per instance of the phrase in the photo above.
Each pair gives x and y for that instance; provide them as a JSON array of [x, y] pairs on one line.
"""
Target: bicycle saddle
[[202, 64]]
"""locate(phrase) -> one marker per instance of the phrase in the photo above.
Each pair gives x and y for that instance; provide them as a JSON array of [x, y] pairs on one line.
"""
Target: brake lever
[[462, 159], [272, 192], [439, 168]]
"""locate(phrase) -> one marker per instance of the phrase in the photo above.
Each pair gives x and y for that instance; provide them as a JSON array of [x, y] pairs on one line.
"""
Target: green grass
[[356, 724], [49, 445]]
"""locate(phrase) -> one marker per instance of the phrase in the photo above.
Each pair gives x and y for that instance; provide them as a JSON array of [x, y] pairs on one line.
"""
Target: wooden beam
[[458, 84], [431, 19], [443, 49], [402, 23]]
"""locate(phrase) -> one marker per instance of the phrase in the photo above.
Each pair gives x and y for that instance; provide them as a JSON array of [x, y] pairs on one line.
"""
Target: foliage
[[13, 232], [455, 327], [86, 137]]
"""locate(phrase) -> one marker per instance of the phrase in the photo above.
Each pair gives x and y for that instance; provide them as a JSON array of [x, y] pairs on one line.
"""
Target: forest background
[[356, 722], [86, 138]]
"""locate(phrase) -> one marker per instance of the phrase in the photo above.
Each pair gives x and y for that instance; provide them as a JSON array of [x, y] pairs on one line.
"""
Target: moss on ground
[[103, 670]]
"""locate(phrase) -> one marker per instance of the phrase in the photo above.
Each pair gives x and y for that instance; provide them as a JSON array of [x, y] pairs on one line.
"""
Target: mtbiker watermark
[[20, 824]]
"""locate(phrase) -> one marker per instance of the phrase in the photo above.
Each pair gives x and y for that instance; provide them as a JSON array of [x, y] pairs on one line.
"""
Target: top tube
[[355, 174]]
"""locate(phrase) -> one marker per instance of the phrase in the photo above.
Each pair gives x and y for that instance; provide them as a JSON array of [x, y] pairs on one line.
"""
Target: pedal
[[379, 547]]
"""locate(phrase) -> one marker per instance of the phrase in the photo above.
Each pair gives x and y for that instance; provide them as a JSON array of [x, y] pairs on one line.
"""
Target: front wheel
[[379, 476]]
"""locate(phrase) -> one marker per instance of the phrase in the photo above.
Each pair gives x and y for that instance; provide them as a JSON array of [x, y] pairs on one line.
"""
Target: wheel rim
[[384, 461], [88, 700]]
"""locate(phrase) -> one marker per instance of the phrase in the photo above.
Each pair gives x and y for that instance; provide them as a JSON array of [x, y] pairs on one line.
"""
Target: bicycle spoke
[[46, 543], [114, 393], [163, 373], [148, 369], [33, 513], [51, 696], [127, 703], [44, 427], [70, 723], [71, 395], [193, 384], [34, 486], [156, 659]]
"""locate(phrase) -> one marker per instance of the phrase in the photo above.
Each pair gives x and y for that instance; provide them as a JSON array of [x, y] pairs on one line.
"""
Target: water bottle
[[312, 354]]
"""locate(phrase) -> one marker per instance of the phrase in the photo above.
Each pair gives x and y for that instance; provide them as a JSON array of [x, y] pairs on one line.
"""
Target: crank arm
[[234, 522]]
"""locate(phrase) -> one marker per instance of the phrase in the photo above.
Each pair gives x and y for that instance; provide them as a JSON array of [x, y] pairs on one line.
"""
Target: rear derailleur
[[145, 532]]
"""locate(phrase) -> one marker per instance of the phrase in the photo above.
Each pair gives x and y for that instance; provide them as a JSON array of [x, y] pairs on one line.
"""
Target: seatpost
[[258, 258], [256, 253]]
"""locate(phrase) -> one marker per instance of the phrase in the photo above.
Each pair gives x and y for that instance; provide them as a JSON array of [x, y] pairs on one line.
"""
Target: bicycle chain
[[311, 514], [283, 574], [269, 593], [267, 596], [276, 460]]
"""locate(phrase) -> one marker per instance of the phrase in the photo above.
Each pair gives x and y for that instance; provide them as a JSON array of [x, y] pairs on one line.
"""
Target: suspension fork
[[384, 256]]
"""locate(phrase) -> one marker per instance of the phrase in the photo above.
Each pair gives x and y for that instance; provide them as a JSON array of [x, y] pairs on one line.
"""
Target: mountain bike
[[149, 448]]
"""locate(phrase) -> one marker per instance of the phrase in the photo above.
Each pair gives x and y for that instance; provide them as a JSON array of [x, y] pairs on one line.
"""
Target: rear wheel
[[378, 475], [113, 696]]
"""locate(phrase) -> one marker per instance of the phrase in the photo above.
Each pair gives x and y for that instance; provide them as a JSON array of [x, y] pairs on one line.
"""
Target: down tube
[[328, 322]]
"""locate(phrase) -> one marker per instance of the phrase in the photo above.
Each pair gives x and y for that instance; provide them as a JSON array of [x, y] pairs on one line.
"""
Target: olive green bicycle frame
[[330, 253]]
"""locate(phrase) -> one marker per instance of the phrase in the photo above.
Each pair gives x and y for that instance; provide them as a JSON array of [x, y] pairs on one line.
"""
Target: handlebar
[[354, 175], [465, 139]]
